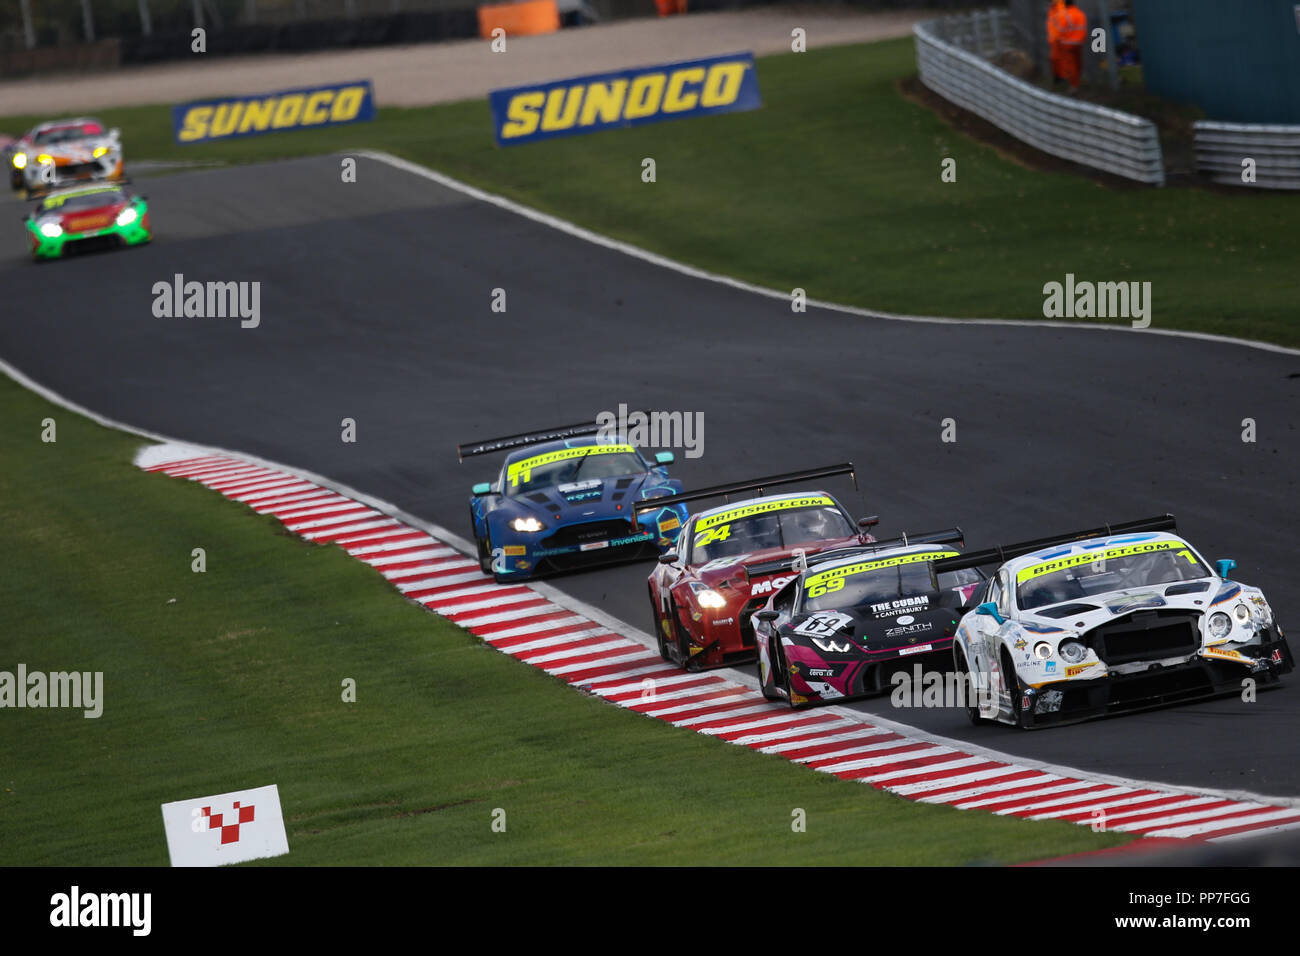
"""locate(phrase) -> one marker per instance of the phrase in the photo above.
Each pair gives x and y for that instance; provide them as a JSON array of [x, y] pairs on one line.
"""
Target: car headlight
[[51, 230], [710, 598], [129, 215], [526, 524], [100, 151], [1241, 613], [19, 160], [45, 159], [1220, 625], [1071, 651], [1042, 650]]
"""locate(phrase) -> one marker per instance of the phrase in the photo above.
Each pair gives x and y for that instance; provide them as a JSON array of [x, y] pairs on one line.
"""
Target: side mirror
[[483, 488], [1225, 565], [869, 522], [664, 458], [115, 133], [767, 615], [668, 557], [991, 610]]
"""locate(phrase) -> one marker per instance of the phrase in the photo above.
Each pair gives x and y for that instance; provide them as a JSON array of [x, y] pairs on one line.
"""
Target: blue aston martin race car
[[565, 498]]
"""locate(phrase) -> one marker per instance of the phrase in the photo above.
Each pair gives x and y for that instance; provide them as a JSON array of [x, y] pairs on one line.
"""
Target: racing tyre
[[683, 642], [659, 627], [964, 675], [767, 694], [1017, 718], [484, 547]]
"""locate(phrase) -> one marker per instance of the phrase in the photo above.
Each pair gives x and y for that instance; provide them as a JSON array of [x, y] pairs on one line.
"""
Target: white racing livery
[[60, 152], [1109, 620]]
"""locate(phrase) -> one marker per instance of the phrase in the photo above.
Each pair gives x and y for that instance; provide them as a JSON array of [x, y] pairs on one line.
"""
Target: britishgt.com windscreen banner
[[585, 104], [303, 108]]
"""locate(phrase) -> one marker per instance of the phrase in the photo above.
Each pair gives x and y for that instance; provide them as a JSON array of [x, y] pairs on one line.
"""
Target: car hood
[[919, 624], [1087, 613], [731, 572], [81, 220], [77, 150], [588, 499]]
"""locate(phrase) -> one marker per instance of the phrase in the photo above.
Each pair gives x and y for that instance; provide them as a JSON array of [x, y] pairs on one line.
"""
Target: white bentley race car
[[1107, 620]]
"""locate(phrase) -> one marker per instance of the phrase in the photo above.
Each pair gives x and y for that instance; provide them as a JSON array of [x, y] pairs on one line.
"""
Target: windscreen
[[743, 530], [1077, 576], [90, 200], [531, 473], [67, 134], [881, 581]]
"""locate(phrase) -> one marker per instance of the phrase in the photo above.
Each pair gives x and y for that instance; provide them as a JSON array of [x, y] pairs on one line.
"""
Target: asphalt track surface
[[375, 305]]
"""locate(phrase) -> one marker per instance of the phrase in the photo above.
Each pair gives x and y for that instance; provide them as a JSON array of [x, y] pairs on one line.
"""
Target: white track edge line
[[580, 232]]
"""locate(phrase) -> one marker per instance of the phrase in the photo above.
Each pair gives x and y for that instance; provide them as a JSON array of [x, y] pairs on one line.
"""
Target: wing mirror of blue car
[[483, 488], [668, 557], [1225, 565], [991, 609], [767, 615], [664, 458], [869, 522]]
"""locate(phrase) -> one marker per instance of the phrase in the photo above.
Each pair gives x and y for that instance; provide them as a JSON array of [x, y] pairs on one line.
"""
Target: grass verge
[[232, 678]]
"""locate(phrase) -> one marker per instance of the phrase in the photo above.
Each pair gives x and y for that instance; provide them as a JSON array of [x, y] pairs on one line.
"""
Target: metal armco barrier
[[1094, 136], [1222, 147]]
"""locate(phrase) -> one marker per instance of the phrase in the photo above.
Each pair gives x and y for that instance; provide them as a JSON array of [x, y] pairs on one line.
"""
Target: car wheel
[[683, 640], [1013, 688], [767, 694], [658, 619], [965, 677], [484, 547]]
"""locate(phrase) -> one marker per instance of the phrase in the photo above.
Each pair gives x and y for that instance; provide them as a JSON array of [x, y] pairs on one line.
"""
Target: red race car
[[701, 592]]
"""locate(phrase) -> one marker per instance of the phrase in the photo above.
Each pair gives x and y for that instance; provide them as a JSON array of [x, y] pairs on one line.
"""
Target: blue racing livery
[[570, 503]]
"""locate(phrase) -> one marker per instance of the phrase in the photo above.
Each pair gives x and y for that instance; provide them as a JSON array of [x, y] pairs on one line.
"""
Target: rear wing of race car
[[785, 565], [755, 484], [1006, 552], [490, 445]]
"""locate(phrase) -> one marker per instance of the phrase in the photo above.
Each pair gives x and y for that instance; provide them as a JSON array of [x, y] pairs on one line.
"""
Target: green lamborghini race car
[[82, 218]]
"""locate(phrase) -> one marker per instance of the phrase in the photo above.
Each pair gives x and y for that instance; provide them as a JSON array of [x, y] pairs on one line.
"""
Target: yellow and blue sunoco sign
[[334, 105], [584, 104]]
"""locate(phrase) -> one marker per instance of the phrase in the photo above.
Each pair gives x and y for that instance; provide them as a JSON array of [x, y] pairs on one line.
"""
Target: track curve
[[375, 305]]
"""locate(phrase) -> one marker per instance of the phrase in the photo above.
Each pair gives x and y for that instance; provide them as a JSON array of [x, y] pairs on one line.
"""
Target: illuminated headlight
[[129, 215], [100, 151], [711, 598], [1220, 625], [1241, 613], [519, 524], [1072, 652], [51, 230], [20, 160], [1042, 650], [45, 159]]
